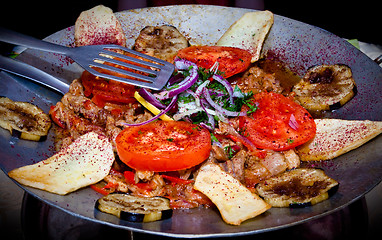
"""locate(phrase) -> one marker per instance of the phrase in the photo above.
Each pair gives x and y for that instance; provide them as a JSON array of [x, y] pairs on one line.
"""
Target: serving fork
[[107, 61]]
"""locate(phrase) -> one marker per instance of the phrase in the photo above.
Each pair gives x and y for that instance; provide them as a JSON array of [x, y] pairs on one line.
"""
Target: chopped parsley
[[214, 138], [194, 105], [290, 141], [252, 107], [229, 151], [199, 117], [186, 98]]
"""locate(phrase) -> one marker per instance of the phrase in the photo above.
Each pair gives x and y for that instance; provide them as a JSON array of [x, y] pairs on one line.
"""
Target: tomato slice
[[278, 124], [130, 179], [163, 146], [176, 180], [231, 60], [104, 188], [53, 114], [102, 90]]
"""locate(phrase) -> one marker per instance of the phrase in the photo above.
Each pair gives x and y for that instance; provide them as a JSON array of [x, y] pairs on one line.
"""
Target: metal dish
[[296, 44]]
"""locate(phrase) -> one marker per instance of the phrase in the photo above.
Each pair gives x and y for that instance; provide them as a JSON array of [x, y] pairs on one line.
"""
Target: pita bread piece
[[86, 161], [234, 201], [335, 137], [248, 32], [98, 26]]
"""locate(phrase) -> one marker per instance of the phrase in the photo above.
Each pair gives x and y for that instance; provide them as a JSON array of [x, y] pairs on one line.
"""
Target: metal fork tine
[[154, 61], [156, 80], [133, 52], [127, 65], [121, 71], [126, 80]]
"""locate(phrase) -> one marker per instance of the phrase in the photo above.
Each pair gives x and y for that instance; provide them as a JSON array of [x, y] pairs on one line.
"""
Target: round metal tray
[[294, 43]]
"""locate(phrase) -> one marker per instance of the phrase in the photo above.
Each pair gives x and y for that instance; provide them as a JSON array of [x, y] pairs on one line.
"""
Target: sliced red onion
[[237, 137], [215, 67], [246, 142], [220, 109], [211, 120], [204, 103], [199, 91], [226, 84], [292, 122], [183, 64], [182, 86], [182, 115], [175, 79], [206, 126], [189, 91], [216, 142], [237, 93], [172, 103], [149, 97]]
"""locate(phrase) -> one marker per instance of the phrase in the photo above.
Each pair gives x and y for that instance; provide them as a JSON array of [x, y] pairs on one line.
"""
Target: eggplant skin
[[297, 188], [160, 41], [24, 120], [135, 209], [325, 87], [139, 217]]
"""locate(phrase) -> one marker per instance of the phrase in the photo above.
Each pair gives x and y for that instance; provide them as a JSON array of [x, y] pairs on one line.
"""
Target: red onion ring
[[219, 108], [149, 97], [292, 122], [183, 85], [226, 84], [211, 120]]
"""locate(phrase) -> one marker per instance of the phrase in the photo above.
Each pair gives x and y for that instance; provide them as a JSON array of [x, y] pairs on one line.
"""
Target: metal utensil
[[24, 70], [378, 60], [295, 44], [134, 68]]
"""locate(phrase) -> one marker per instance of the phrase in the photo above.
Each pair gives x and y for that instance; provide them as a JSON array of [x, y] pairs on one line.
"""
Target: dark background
[[348, 19]]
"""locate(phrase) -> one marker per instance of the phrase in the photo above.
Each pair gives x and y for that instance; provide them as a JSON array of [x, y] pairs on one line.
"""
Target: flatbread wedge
[[335, 137], [86, 161], [248, 32], [98, 26], [234, 201]]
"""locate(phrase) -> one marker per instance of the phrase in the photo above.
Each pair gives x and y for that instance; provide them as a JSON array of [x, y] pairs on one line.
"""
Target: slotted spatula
[[133, 67]]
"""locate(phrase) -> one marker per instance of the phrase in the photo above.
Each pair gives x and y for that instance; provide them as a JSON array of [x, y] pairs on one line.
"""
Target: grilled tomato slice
[[278, 123], [163, 146], [231, 60]]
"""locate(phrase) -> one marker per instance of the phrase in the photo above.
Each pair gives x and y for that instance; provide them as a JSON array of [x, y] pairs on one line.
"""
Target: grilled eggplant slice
[[23, 119], [325, 87], [134, 208], [298, 187], [160, 41]]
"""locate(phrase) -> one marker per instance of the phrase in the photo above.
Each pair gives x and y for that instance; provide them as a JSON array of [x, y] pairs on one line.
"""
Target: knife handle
[[16, 38], [24, 70]]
